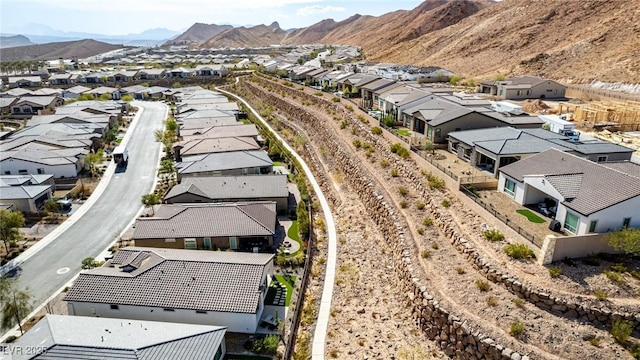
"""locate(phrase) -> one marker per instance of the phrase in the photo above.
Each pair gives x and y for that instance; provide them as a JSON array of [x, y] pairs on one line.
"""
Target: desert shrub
[[518, 302], [615, 277], [384, 163], [357, 143], [460, 270], [420, 231], [318, 93], [343, 124], [554, 271], [483, 285], [394, 172], [434, 182], [516, 329], [619, 267], [349, 107], [425, 253], [519, 252], [595, 341], [403, 191], [601, 295], [335, 99], [435, 246], [404, 204], [427, 221], [376, 130], [492, 301], [493, 235], [446, 203], [420, 205], [621, 330]]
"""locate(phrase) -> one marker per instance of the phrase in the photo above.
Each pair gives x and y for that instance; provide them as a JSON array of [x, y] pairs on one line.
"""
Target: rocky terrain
[[13, 41], [389, 261], [256, 36], [199, 32], [66, 50]]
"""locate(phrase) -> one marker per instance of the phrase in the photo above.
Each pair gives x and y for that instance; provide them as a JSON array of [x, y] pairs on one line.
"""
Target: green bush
[[619, 267], [460, 270], [425, 254], [519, 302], [343, 124], [493, 235], [554, 272], [427, 221], [483, 285], [420, 205], [621, 330], [401, 151], [335, 99], [615, 277], [357, 143], [516, 329], [434, 182], [519, 252], [446, 203], [394, 172], [601, 295], [376, 130], [384, 163], [403, 191], [404, 204]]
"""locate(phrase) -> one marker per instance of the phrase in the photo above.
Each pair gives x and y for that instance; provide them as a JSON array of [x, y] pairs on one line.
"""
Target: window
[[592, 226], [201, 312], [626, 222], [207, 243], [438, 133], [40, 171], [218, 355], [233, 242], [23, 172], [7, 172], [510, 187], [190, 243], [602, 158], [169, 240], [571, 222], [114, 307], [167, 309]]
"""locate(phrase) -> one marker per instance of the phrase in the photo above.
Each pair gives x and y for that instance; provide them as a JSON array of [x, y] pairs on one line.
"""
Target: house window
[[207, 243], [7, 172], [40, 171], [438, 133], [23, 172], [528, 92], [571, 222], [169, 240], [626, 222], [218, 355], [114, 307], [592, 226], [200, 312], [168, 309], [510, 187], [233, 242], [190, 243], [602, 158]]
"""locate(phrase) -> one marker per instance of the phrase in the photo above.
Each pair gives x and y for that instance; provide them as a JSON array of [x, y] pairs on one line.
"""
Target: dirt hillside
[[256, 36], [51, 51], [199, 32]]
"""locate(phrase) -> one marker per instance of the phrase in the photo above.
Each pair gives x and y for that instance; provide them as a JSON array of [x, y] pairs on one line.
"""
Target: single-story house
[[213, 145], [312, 77], [394, 101], [151, 74], [74, 92], [583, 196], [27, 106], [212, 132], [62, 79], [179, 73], [492, 148], [122, 76], [24, 81], [84, 337], [78, 117], [434, 119], [138, 92], [253, 162], [222, 288], [236, 226], [211, 70], [213, 189], [25, 198], [6, 103], [33, 159], [113, 93], [96, 78], [524, 87], [367, 92], [350, 86]]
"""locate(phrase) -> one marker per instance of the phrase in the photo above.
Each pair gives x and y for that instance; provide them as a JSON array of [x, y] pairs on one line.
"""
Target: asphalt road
[[54, 265]]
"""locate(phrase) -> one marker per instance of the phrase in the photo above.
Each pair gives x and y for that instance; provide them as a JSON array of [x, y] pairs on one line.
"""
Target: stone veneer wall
[[455, 336]]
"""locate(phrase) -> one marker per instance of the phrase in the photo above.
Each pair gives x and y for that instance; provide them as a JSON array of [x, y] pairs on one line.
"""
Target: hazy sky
[[118, 17]]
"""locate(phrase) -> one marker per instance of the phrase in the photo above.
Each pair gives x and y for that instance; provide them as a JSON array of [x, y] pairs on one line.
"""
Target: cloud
[[317, 9]]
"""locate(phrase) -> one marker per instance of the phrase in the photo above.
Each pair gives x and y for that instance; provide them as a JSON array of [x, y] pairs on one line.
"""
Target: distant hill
[[256, 36], [15, 40], [198, 32], [81, 49]]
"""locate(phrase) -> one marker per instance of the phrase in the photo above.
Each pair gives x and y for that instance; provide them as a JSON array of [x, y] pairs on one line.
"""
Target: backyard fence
[[537, 241], [423, 154]]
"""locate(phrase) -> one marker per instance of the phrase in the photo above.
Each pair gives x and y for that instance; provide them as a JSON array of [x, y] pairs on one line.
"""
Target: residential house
[[24, 82], [27, 106], [240, 130], [62, 79], [157, 92], [25, 180], [151, 74], [96, 78], [367, 92], [395, 100], [179, 73], [16, 92], [84, 337], [42, 159], [74, 92], [433, 120], [6, 103], [350, 86], [185, 286], [492, 148], [26, 193], [311, 78], [78, 117], [213, 145], [122, 76], [583, 196], [237, 226], [60, 135], [231, 189], [112, 92], [211, 70], [524, 87], [253, 162]]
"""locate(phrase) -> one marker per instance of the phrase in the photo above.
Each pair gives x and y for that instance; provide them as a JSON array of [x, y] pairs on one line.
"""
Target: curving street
[[53, 265]]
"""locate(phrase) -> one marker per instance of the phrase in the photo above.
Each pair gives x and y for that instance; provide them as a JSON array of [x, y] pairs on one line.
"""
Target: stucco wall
[[581, 246], [13, 166]]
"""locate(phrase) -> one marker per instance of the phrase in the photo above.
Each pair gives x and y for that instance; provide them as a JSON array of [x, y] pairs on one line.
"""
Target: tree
[[52, 205], [166, 137], [171, 125], [626, 239], [89, 263], [92, 159], [104, 97], [10, 223], [127, 98], [166, 166], [302, 216], [15, 303], [149, 200]]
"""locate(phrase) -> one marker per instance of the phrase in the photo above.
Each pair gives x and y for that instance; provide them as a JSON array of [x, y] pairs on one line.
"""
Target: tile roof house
[[74, 92], [25, 198], [231, 189], [82, 337], [243, 226], [490, 149], [587, 197], [213, 145], [24, 81], [34, 158], [27, 106], [524, 87], [239, 130], [253, 162], [220, 288]]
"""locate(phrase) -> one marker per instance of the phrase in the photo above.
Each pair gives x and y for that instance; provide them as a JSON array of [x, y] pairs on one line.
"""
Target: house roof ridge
[[180, 339], [240, 207]]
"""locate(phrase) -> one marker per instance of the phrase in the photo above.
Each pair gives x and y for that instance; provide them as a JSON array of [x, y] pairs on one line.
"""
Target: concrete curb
[[319, 336]]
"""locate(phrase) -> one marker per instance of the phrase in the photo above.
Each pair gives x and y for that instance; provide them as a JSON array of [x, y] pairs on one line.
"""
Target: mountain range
[[569, 40]]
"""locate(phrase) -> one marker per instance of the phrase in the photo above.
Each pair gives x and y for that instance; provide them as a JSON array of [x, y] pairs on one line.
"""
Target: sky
[[120, 17]]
